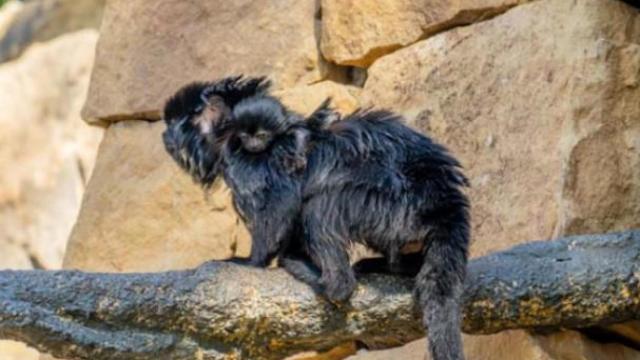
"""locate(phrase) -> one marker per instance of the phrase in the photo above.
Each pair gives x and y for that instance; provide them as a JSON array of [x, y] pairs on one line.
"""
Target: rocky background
[[539, 99], [46, 152]]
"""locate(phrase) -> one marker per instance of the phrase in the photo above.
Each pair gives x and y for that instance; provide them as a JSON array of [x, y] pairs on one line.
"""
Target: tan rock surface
[[304, 99], [147, 52], [142, 213], [8, 13], [15, 256], [571, 345], [46, 154], [540, 111], [357, 32], [43, 20], [534, 107], [47, 149], [567, 345], [11, 350]]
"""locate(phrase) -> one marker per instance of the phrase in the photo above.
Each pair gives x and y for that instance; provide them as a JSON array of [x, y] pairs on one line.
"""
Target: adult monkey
[[307, 189]]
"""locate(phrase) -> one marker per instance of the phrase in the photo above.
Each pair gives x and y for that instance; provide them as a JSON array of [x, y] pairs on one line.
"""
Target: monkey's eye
[[262, 135], [243, 136]]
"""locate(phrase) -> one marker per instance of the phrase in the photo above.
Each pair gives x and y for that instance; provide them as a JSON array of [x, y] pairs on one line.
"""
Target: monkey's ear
[[215, 111]]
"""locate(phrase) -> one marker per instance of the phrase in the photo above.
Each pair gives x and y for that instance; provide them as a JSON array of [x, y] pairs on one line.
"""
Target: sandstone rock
[[337, 353], [8, 13], [142, 213], [46, 148], [47, 152], [43, 20], [15, 256], [147, 52], [39, 223], [11, 350], [305, 99], [357, 32], [566, 345], [535, 108], [571, 345], [541, 112]]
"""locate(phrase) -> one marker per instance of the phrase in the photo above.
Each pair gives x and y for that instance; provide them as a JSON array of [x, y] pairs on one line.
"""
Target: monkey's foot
[[338, 290]]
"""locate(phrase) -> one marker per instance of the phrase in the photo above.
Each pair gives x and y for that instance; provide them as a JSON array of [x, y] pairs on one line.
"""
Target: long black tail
[[439, 286]]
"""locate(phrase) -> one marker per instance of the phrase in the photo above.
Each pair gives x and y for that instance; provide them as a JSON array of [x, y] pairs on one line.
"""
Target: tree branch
[[225, 311]]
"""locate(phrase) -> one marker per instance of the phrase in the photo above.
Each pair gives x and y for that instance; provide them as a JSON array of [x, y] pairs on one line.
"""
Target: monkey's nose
[[254, 146]]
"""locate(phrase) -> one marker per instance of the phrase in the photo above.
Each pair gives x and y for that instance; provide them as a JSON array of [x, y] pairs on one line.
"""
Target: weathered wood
[[225, 311]]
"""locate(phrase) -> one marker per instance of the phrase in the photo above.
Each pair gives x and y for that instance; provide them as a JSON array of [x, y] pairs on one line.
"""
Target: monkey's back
[[379, 182], [262, 183]]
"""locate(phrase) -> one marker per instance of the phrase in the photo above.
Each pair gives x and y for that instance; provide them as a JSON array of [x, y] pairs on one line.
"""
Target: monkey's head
[[256, 122], [195, 107], [194, 116]]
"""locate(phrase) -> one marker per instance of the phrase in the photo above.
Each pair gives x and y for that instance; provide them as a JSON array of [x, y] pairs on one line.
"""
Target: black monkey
[[366, 178], [234, 128]]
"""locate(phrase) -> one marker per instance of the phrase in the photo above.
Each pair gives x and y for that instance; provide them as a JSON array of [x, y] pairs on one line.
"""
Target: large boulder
[[43, 20], [47, 151], [13, 350], [357, 32], [569, 345], [306, 98], [542, 112], [142, 213], [146, 52]]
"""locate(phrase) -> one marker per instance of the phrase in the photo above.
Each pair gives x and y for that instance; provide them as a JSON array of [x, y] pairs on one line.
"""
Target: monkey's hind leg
[[303, 270], [328, 251], [439, 288]]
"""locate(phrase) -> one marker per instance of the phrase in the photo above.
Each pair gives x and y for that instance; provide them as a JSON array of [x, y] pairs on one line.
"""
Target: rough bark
[[225, 311]]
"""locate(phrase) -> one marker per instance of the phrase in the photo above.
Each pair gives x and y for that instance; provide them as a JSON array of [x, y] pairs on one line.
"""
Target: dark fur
[[195, 152], [366, 178]]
